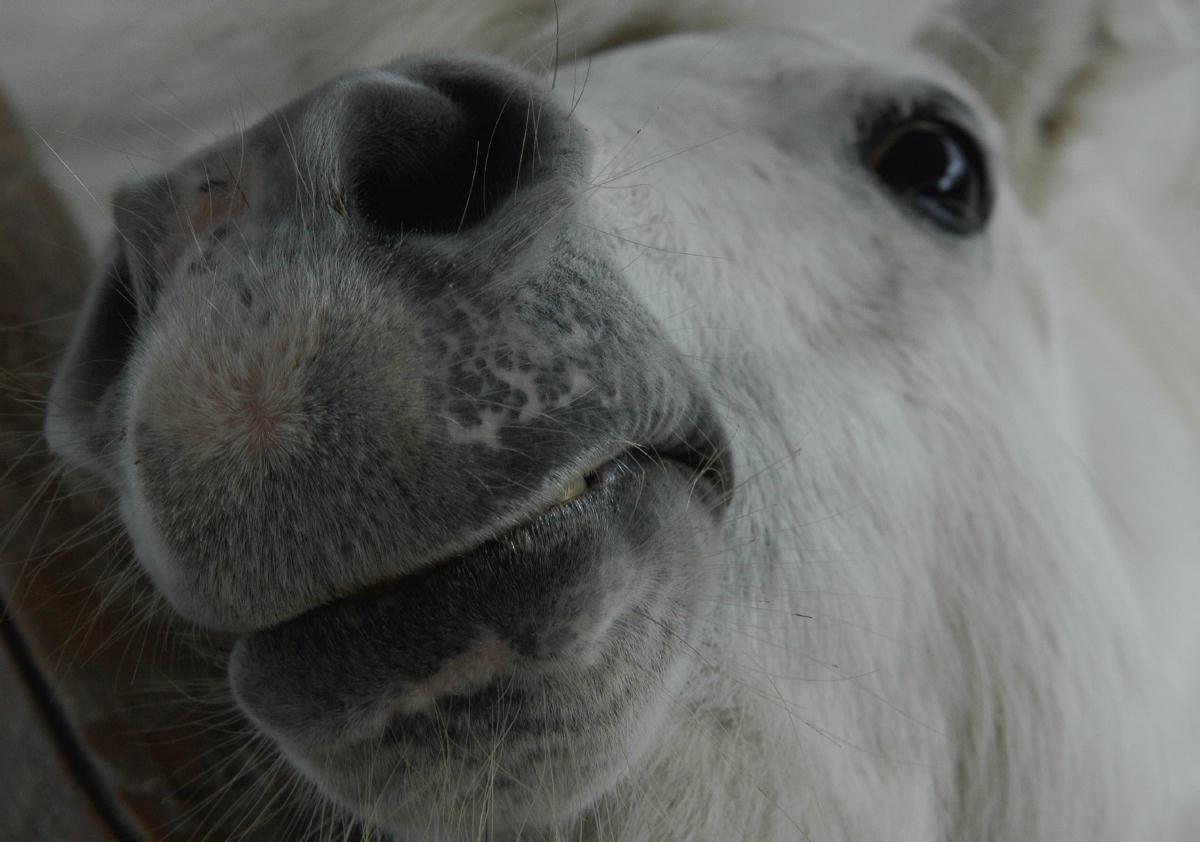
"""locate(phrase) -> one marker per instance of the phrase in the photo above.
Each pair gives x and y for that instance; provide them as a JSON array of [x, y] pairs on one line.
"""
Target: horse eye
[[938, 169]]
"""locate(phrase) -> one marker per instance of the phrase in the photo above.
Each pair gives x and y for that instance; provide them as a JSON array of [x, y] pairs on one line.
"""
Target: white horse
[[783, 429]]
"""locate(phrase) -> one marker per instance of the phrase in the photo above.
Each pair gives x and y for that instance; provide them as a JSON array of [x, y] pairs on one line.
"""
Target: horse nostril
[[436, 154]]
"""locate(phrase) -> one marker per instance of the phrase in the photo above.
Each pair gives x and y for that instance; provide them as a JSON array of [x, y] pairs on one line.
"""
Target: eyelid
[[944, 104], [879, 140], [883, 108]]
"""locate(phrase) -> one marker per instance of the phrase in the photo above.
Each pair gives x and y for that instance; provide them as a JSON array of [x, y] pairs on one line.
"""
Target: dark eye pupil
[[938, 169]]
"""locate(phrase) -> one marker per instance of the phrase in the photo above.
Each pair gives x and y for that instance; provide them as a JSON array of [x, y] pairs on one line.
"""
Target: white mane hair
[[1067, 551]]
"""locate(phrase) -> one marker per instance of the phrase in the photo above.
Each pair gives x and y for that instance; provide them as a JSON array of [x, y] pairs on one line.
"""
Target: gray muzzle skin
[[340, 368]]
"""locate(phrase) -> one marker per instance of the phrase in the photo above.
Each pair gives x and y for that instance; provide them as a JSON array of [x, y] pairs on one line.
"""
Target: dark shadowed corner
[[92, 747]]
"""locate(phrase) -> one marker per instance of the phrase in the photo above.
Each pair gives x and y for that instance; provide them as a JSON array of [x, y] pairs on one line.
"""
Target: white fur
[[959, 599]]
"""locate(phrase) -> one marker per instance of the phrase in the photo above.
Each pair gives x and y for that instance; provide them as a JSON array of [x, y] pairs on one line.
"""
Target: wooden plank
[[42, 798]]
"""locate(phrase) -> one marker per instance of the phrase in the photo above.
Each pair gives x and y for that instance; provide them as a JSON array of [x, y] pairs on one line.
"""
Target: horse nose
[[314, 342], [436, 148]]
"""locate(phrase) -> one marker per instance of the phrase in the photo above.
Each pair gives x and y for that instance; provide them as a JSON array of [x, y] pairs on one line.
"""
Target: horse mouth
[[697, 461], [558, 593]]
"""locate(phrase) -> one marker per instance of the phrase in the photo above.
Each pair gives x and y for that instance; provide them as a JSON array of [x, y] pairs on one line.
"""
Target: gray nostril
[[438, 156]]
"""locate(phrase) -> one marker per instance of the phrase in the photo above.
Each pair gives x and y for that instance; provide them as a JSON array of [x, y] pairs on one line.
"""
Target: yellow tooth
[[577, 486]]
